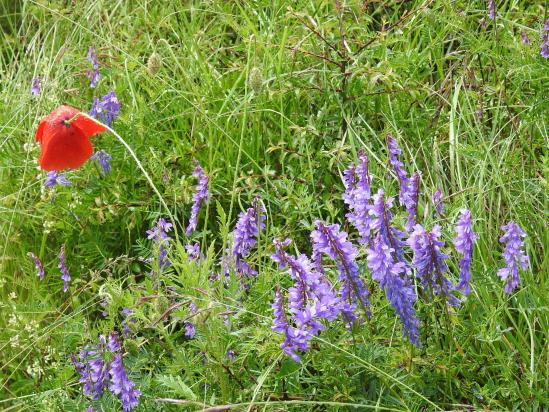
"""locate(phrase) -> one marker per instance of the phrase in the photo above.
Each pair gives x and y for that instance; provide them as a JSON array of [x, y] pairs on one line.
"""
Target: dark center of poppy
[[66, 122]]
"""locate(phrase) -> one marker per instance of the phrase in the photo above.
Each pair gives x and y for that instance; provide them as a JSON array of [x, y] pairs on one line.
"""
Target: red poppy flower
[[65, 139]]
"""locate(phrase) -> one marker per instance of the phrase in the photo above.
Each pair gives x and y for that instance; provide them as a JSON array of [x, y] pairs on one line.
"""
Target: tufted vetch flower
[[107, 109], [464, 242], [382, 223], [247, 229], [65, 275], [399, 288], [398, 167], [54, 178], [38, 264], [200, 197], [514, 256], [159, 234], [122, 386], [332, 242], [311, 287], [94, 75], [430, 262], [35, 88], [104, 160], [357, 182]]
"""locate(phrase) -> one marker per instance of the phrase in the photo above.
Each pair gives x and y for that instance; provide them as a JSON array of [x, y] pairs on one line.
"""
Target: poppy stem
[[72, 119], [132, 153]]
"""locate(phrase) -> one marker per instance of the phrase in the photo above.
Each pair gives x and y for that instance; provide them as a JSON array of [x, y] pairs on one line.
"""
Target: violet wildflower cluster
[[55, 178], [329, 240], [122, 386], [126, 313], [544, 45], [398, 167], [411, 201], [310, 300], [437, 201], [200, 197], [190, 329], [356, 196], [246, 231], [514, 256], [464, 242], [98, 375], [107, 109], [65, 275], [38, 263], [92, 369], [382, 223], [311, 287], [193, 250], [35, 88], [399, 288], [159, 234], [104, 160], [295, 338], [94, 74], [492, 9], [430, 262], [409, 186], [524, 38]]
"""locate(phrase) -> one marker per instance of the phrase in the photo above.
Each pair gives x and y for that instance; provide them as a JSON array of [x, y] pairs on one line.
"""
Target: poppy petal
[[64, 138], [40, 131], [88, 126], [64, 148]]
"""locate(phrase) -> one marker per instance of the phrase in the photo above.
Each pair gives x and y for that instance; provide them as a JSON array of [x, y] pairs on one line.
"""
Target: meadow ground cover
[[281, 205]]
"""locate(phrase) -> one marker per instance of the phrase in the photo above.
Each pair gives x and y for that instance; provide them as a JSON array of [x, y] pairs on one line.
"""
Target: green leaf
[[177, 386]]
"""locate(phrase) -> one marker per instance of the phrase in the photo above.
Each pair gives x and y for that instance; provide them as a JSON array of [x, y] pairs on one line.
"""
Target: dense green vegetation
[[274, 99]]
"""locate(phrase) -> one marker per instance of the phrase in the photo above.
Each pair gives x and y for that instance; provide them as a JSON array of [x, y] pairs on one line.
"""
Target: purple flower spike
[[126, 312], [94, 75], [114, 343], [544, 45], [429, 261], [190, 330], [464, 242], [92, 369], [411, 201], [437, 200], [246, 231], [492, 9], [357, 193], [311, 286], [514, 256], [382, 222], [159, 234], [398, 287], [200, 197], [331, 241], [38, 264], [193, 251], [54, 178], [122, 386], [107, 109], [398, 167], [104, 160], [35, 88], [524, 37], [294, 339], [65, 275]]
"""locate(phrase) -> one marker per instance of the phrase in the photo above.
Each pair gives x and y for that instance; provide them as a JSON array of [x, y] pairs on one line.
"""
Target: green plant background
[[273, 98]]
